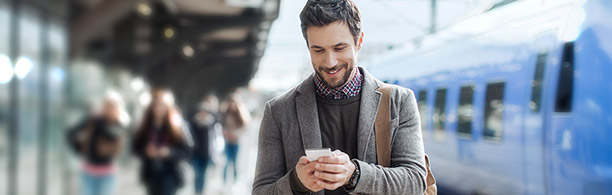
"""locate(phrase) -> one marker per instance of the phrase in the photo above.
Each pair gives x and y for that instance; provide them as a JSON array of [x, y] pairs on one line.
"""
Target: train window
[[493, 115], [465, 111], [536, 90], [566, 80], [422, 106], [439, 117]]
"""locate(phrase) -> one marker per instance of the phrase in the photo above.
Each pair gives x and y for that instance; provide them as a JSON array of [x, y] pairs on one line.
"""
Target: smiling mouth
[[334, 72]]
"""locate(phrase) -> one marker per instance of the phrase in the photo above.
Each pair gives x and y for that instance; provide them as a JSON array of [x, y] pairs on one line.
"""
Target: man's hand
[[305, 172], [334, 171]]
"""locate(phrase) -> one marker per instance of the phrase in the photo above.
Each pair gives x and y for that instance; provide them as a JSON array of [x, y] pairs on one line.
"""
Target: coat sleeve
[[271, 175], [407, 172]]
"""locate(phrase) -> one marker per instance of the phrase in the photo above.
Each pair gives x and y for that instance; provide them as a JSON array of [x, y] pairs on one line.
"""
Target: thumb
[[303, 160]]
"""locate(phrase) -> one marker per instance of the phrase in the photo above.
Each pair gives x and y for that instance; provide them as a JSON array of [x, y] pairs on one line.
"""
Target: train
[[515, 100]]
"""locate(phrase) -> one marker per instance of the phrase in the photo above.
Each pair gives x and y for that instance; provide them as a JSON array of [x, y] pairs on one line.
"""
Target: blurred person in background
[[235, 120], [202, 124], [97, 139], [162, 143]]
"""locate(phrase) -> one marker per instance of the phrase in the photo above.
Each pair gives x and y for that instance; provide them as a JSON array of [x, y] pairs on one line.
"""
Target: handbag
[[382, 126]]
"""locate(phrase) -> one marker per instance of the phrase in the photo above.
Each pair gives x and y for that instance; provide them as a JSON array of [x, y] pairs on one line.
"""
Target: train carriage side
[[529, 116], [472, 124]]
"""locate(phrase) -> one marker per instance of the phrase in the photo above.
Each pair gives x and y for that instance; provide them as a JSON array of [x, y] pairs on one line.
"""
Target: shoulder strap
[[382, 127]]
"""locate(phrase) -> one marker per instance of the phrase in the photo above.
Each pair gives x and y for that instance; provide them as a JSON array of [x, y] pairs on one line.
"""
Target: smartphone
[[315, 153]]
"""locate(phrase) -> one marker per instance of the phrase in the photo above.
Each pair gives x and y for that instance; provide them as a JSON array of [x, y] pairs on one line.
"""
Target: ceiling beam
[[93, 23]]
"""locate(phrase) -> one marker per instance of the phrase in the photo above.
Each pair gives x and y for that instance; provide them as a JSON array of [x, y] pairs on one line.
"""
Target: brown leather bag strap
[[382, 126]]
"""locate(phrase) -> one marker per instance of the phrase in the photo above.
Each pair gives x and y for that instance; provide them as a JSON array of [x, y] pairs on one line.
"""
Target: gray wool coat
[[290, 124]]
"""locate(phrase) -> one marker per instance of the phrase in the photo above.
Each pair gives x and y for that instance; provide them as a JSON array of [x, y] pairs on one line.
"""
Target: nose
[[330, 60]]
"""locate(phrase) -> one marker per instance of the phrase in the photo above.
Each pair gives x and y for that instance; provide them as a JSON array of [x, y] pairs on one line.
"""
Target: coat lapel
[[370, 99], [306, 105]]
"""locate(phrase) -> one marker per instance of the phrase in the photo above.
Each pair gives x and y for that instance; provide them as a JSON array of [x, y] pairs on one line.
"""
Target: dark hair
[[324, 12], [168, 128]]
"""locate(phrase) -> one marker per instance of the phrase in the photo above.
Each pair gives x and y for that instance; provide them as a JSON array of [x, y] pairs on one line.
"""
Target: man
[[336, 108]]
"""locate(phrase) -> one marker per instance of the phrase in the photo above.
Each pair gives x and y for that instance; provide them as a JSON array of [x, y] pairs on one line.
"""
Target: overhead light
[[260, 45], [270, 6], [169, 32], [265, 25], [6, 71], [23, 67], [137, 84], [144, 9], [57, 74], [262, 35], [144, 99], [188, 51]]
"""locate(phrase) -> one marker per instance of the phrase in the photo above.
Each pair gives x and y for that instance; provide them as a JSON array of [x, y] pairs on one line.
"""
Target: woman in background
[[161, 144], [97, 139], [235, 119]]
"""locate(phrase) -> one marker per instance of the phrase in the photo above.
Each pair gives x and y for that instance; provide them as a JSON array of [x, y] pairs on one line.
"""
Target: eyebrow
[[336, 45]]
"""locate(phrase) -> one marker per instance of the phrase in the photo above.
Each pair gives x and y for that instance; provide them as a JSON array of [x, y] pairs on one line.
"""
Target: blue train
[[517, 100]]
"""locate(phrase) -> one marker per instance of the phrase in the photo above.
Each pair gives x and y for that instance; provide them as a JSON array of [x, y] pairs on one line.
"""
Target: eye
[[340, 48], [318, 50]]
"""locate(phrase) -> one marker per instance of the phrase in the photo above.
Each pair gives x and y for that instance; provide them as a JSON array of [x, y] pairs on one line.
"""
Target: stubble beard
[[347, 74]]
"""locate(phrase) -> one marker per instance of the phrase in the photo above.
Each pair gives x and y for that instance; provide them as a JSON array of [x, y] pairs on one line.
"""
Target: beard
[[347, 74]]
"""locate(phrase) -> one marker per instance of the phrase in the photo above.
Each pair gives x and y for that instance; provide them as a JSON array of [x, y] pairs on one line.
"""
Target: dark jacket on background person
[[152, 168], [92, 132], [200, 131]]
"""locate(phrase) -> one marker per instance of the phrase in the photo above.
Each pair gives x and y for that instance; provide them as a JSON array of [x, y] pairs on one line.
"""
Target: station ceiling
[[190, 46]]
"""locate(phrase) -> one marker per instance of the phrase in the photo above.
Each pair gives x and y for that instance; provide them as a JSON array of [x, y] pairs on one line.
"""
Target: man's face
[[333, 52]]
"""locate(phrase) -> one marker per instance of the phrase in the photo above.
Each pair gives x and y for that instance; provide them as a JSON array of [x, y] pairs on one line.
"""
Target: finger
[[328, 185], [338, 153], [331, 177], [341, 155], [338, 157], [310, 166], [331, 160], [332, 168]]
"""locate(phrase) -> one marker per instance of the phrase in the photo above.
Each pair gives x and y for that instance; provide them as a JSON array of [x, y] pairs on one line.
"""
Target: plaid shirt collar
[[351, 89]]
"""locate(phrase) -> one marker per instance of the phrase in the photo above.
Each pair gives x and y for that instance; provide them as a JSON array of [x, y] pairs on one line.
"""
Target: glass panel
[[27, 71], [4, 96], [536, 93], [422, 108], [465, 111], [57, 158], [566, 80], [439, 116], [493, 113]]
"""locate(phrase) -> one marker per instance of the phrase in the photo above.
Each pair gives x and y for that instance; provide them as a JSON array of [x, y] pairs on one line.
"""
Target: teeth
[[333, 72]]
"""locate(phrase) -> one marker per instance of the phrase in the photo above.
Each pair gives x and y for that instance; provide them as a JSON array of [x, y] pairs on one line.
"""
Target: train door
[[579, 140], [534, 127], [558, 144]]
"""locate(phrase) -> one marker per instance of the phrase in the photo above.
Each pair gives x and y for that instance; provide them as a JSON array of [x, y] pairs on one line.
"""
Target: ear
[[359, 41]]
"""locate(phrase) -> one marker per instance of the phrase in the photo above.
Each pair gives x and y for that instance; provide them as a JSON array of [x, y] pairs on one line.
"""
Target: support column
[[13, 130], [43, 128], [432, 28]]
